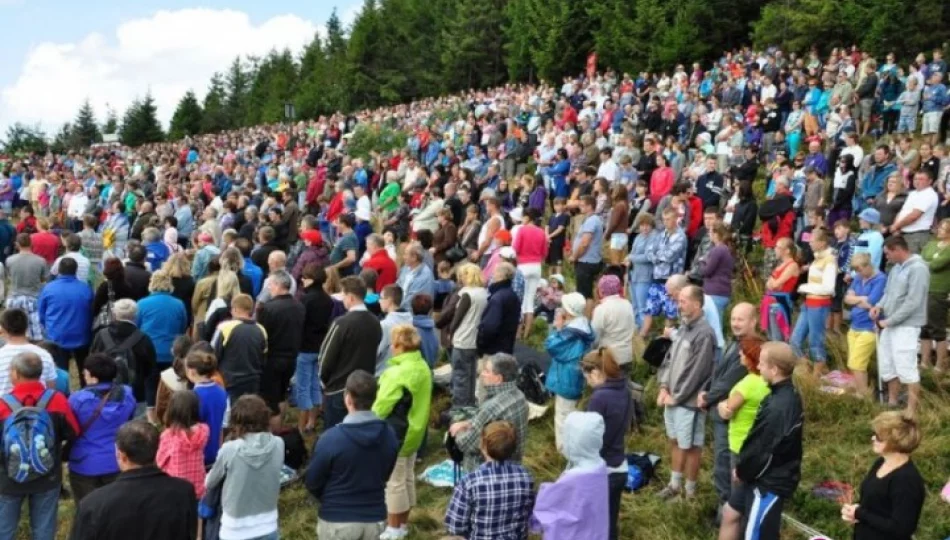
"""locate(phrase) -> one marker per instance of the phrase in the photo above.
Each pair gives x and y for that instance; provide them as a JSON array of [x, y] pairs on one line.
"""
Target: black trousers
[[615, 486]]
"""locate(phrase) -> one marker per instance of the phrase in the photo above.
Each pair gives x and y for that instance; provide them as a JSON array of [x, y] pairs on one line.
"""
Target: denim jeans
[[334, 410], [811, 324], [307, 387], [722, 302], [43, 507], [464, 362], [640, 291], [272, 536]]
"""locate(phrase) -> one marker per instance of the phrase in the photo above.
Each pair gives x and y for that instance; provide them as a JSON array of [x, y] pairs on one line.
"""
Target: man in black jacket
[[143, 502], [350, 344], [726, 374], [123, 336], [136, 274], [769, 466], [282, 318]]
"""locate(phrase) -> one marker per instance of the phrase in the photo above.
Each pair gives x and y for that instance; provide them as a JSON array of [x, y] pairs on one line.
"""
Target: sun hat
[[558, 277], [870, 215], [507, 252], [574, 303]]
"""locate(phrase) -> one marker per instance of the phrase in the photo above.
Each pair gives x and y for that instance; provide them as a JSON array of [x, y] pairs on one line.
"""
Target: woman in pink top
[[661, 182], [531, 247]]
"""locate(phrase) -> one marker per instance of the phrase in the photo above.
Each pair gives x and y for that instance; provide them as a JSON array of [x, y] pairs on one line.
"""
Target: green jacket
[[938, 262], [389, 197], [406, 372]]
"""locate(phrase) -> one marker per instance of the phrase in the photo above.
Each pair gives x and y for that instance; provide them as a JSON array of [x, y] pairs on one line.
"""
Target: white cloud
[[167, 53]]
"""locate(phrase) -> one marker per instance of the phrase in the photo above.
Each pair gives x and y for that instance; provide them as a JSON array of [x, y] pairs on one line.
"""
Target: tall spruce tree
[[140, 123], [111, 124], [187, 118], [215, 117], [237, 87], [85, 130]]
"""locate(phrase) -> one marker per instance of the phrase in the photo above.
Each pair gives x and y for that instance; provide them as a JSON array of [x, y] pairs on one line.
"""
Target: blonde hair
[[780, 355], [177, 266], [332, 284], [405, 338], [160, 282], [469, 275], [860, 260], [898, 431], [227, 284]]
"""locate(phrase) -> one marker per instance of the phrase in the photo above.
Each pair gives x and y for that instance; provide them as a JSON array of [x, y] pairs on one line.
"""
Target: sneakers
[[394, 534], [669, 492]]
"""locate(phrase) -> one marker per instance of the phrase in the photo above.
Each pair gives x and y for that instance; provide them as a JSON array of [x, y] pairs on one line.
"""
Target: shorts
[[401, 486], [660, 303], [556, 252], [931, 123], [936, 327], [863, 111], [686, 426], [762, 511], [897, 354], [861, 348], [586, 274]]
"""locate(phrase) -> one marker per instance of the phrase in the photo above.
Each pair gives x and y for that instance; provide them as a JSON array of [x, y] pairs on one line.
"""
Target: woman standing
[[611, 399], [617, 224], [937, 256], [473, 298], [445, 237], [162, 317], [661, 181], [892, 493], [891, 200], [248, 472], [567, 342], [403, 399], [641, 268], [793, 128], [531, 248], [318, 307], [183, 285], [470, 229], [776, 311], [113, 288], [745, 397], [719, 268], [818, 290]]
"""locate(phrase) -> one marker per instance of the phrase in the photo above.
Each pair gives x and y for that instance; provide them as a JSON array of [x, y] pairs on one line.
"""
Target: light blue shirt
[[712, 317], [594, 225]]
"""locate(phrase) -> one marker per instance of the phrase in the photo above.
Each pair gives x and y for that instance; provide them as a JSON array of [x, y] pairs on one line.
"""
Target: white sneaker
[[394, 534]]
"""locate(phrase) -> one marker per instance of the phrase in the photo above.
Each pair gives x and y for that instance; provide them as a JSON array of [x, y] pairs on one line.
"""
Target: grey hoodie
[[391, 321], [250, 469], [583, 435], [905, 294]]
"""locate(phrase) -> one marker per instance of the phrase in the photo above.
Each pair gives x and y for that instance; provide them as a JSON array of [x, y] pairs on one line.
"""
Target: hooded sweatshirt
[[430, 339], [93, 453], [391, 321], [576, 506], [250, 469], [351, 463], [567, 346], [908, 285], [181, 454]]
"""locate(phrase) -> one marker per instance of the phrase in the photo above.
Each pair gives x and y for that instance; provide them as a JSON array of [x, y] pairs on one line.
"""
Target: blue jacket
[[156, 254], [430, 340], [567, 347], [873, 182], [873, 288], [499, 324], [65, 308], [351, 464], [558, 173], [422, 283], [162, 317], [93, 453], [212, 405], [255, 274], [223, 183]]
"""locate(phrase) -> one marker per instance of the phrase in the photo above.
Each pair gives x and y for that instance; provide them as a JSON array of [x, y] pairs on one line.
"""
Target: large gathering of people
[[176, 313]]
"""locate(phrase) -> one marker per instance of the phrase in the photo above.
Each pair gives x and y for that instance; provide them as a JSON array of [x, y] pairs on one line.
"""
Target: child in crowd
[[548, 297], [390, 241], [557, 232], [182, 443], [445, 284], [174, 378], [866, 290], [212, 398], [844, 247], [371, 300]]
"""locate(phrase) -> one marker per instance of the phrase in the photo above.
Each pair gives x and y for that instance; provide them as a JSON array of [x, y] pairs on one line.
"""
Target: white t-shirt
[[8, 352], [855, 151], [609, 171], [926, 201]]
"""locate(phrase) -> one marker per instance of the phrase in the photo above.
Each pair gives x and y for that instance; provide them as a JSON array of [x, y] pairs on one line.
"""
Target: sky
[[57, 53]]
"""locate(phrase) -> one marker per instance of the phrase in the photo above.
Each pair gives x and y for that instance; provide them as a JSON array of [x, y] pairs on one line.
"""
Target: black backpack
[[531, 384], [295, 448], [123, 355]]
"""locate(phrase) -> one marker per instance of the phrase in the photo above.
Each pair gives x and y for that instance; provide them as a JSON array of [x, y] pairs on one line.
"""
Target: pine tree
[[112, 121], [237, 86], [63, 140], [85, 130], [473, 45], [611, 34], [683, 40], [187, 118], [337, 85], [140, 123], [312, 99], [24, 139], [215, 117]]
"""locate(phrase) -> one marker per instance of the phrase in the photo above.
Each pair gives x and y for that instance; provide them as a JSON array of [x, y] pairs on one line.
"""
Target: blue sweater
[[212, 405], [65, 310], [350, 466], [162, 317], [430, 340]]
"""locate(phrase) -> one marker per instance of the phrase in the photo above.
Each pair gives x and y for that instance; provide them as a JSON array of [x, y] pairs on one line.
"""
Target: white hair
[[125, 310]]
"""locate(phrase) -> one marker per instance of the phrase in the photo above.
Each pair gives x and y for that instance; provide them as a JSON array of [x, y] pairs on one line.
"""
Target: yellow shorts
[[861, 348]]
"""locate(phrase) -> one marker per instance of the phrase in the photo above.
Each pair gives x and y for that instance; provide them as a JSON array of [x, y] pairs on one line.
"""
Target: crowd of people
[[203, 288]]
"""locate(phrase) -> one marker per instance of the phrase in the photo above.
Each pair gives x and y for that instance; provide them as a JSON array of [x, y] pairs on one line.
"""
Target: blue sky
[[42, 39]]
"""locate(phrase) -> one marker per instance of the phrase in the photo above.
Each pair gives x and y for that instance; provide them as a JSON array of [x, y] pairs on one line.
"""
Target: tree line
[[401, 50]]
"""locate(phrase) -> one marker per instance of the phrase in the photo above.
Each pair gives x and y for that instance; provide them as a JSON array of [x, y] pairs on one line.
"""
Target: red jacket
[[695, 216], [385, 269], [785, 224], [46, 245], [335, 208]]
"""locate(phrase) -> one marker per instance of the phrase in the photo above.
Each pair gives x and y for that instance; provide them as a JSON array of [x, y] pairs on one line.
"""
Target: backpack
[[641, 468], [123, 355], [295, 448], [29, 440], [531, 384]]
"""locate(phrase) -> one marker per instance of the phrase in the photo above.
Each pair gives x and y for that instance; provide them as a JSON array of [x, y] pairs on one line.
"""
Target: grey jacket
[[905, 294], [689, 363], [726, 374], [392, 320], [249, 467]]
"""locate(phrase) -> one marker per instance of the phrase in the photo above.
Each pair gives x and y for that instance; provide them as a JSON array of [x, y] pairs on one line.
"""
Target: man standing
[[900, 315], [114, 512], [65, 309], [122, 334], [503, 401], [282, 318], [13, 328], [380, 261], [916, 217], [344, 256], [240, 345], [684, 373], [351, 344], [770, 462], [415, 277], [726, 374], [709, 185], [390, 301], [587, 249], [351, 465], [73, 245], [42, 490]]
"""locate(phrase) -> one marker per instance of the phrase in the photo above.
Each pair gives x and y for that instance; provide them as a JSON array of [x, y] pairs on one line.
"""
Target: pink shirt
[[531, 244]]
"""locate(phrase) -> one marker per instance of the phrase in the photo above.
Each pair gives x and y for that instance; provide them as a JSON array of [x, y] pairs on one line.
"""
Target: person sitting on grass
[[479, 510]]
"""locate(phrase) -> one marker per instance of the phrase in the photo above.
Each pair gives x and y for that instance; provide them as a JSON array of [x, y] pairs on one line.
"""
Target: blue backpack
[[29, 440]]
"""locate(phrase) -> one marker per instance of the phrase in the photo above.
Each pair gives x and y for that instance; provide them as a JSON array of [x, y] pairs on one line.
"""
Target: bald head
[[742, 319], [277, 260]]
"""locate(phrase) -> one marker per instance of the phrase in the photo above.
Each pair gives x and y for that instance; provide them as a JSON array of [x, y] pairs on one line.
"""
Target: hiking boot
[[669, 492]]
